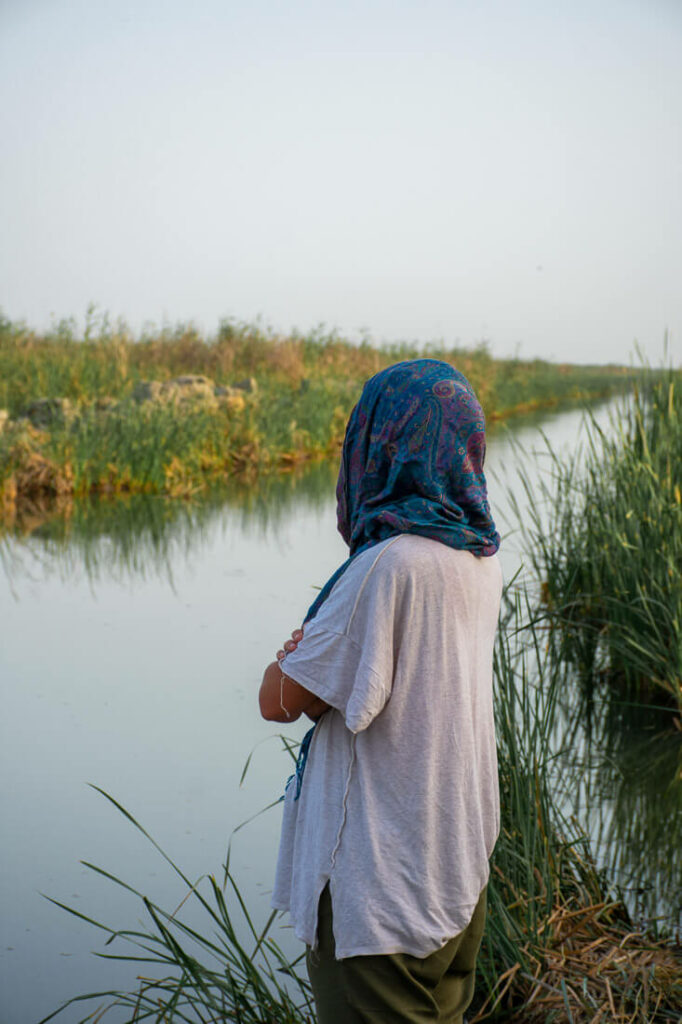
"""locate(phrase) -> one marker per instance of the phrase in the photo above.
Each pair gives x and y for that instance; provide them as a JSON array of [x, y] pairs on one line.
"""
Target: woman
[[393, 813]]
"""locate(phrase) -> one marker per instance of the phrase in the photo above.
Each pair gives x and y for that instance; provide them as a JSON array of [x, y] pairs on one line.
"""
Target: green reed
[[306, 387], [605, 539], [197, 976], [161, 449], [107, 360]]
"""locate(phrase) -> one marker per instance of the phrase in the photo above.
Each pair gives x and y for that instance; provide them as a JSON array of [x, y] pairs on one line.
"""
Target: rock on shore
[[189, 388]]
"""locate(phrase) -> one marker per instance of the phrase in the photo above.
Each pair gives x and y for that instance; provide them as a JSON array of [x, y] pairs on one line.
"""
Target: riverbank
[[169, 413]]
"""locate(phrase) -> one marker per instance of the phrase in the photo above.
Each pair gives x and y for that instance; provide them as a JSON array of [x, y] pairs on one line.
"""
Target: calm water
[[133, 641]]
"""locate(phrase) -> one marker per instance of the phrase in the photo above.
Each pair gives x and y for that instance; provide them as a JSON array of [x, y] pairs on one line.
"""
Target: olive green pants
[[397, 988]]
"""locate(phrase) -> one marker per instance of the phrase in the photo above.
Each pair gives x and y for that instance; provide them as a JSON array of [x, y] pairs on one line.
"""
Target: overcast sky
[[436, 169]]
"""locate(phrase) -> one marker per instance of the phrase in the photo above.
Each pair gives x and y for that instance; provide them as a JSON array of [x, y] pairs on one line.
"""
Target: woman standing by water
[[391, 818]]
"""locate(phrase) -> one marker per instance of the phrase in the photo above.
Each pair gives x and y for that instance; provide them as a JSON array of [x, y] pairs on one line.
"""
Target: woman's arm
[[283, 700]]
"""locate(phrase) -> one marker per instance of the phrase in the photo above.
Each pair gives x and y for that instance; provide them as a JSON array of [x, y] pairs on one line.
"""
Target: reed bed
[[605, 539], [107, 360], [559, 944], [98, 439]]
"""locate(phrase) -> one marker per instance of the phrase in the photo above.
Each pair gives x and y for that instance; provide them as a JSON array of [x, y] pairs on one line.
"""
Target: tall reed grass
[[107, 360], [159, 449], [306, 389], [199, 976], [605, 539]]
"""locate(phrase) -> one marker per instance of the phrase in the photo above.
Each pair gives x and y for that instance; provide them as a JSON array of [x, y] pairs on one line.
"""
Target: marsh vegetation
[[605, 539], [171, 412]]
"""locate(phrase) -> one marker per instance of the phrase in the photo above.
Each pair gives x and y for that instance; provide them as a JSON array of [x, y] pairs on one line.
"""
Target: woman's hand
[[282, 699], [290, 645]]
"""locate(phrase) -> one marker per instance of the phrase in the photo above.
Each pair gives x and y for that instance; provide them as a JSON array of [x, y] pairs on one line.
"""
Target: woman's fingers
[[290, 645]]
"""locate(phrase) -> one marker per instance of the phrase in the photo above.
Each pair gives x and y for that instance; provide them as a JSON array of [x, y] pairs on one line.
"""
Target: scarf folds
[[412, 462]]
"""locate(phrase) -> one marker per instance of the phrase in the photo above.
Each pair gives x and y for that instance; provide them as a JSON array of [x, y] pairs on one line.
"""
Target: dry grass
[[32, 482], [592, 971]]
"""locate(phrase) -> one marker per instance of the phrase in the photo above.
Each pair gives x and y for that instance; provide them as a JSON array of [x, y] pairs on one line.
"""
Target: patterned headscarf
[[412, 462]]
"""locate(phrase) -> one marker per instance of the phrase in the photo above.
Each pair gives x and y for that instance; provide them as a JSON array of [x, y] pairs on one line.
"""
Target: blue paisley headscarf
[[412, 462]]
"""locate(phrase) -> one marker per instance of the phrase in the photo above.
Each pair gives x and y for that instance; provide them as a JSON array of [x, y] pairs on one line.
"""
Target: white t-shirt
[[399, 807]]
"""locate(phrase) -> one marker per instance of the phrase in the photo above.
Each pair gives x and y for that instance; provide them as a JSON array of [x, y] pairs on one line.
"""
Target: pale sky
[[460, 170]]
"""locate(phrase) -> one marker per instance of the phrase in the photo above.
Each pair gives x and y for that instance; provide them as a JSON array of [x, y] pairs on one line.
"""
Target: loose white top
[[399, 807]]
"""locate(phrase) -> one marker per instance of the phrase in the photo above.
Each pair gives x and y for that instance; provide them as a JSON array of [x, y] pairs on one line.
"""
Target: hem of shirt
[[392, 949], [409, 949], [283, 907], [420, 953], [385, 949]]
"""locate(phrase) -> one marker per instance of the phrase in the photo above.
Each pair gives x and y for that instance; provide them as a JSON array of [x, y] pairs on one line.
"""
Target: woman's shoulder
[[410, 556], [413, 549], [407, 568]]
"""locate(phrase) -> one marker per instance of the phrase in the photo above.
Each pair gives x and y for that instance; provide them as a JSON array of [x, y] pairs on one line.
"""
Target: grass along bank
[[605, 540], [109, 413]]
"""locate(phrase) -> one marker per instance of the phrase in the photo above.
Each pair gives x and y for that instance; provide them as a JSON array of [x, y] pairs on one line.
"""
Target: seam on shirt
[[344, 804], [367, 576]]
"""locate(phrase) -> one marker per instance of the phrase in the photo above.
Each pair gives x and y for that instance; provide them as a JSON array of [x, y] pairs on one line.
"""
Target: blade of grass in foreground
[[203, 977]]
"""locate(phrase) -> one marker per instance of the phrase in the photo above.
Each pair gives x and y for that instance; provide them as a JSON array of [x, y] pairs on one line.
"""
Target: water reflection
[[141, 535], [137, 536], [623, 779]]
